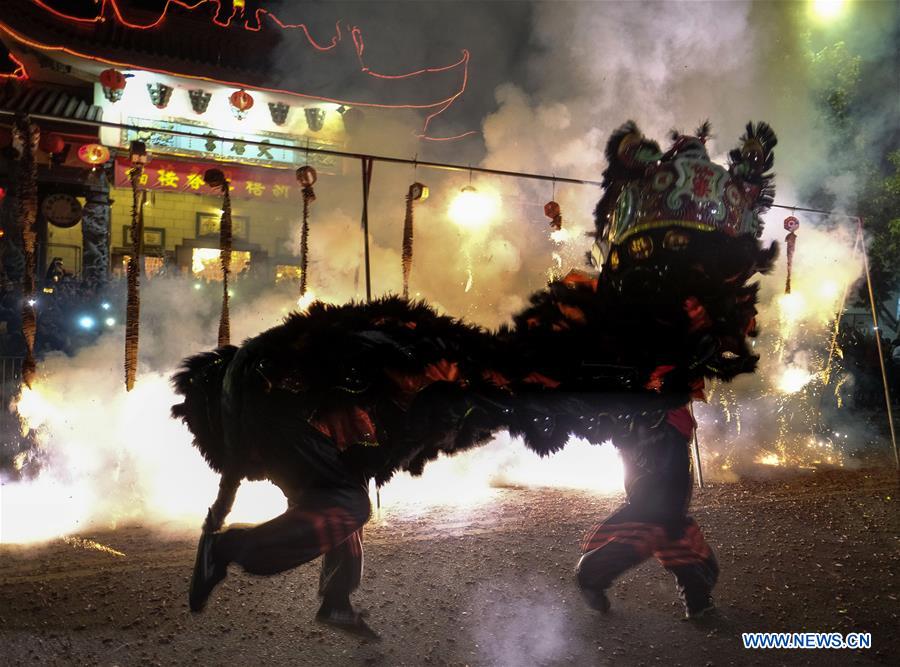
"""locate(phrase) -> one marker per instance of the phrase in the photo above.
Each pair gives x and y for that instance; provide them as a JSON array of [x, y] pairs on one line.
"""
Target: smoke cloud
[[550, 81]]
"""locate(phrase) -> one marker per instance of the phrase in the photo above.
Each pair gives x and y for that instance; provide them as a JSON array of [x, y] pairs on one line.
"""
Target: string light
[[19, 73], [110, 9]]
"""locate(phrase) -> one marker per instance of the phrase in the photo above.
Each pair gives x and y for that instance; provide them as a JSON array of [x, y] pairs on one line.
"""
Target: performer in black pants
[[653, 521]]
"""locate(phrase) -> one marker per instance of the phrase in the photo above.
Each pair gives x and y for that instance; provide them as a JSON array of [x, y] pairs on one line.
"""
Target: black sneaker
[[698, 609], [347, 620], [207, 573]]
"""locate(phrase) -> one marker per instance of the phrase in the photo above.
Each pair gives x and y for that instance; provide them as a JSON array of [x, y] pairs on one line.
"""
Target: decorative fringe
[[309, 196], [225, 238], [408, 240], [27, 136], [133, 303]]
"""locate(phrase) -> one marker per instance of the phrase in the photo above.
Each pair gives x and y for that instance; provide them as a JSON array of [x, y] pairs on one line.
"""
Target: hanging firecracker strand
[[26, 136], [791, 224], [417, 192], [307, 177], [216, 178], [133, 272]]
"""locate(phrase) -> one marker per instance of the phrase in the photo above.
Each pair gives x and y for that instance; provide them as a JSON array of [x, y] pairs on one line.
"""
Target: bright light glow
[[827, 10], [110, 321], [792, 307], [829, 290], [86, 322], [206, 263], [304, 302], [770, 460], [105, 306], [471, 209], [793, 380], [31, 302], [561, 235], [198, 286]]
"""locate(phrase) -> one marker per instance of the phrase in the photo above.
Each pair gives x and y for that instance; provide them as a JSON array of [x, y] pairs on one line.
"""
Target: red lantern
[[93, 154], [51, 143], [552, 211], [113, 83], [241, 103]]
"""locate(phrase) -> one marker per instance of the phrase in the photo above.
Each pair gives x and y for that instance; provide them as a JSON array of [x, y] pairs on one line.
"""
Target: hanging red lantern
[[552, 211], [113, 83], [93, 154], [241, 103], [52, 143]]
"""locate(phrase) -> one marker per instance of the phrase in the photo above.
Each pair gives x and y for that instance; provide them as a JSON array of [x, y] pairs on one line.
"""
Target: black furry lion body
[[342, 394]]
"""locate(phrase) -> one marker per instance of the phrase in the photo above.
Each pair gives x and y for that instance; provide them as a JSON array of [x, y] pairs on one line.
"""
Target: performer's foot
[[596, 599], [208, 572], [700, 608], [346, 619]]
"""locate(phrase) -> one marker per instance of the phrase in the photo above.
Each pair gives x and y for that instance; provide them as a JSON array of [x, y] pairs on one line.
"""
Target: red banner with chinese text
[[182, 176]]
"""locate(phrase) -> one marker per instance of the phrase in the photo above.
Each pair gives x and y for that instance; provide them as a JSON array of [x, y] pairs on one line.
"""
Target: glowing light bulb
[[86, 322], [110, 321], [471, 209]]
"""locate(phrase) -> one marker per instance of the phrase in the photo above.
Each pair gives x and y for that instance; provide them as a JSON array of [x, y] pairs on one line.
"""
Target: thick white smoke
[[589, 66]]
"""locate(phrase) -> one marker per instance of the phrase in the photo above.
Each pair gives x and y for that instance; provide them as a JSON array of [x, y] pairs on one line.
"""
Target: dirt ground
[[485, 586]]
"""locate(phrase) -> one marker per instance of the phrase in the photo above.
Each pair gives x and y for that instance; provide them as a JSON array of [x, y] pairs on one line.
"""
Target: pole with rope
[[884, 379]]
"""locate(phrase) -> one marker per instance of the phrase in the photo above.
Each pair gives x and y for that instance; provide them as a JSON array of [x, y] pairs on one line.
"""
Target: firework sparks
[[91, 545]]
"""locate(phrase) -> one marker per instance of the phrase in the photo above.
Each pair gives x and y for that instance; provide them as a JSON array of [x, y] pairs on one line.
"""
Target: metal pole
[[695, 448], [367, 165], [887, 391], [366, 182]]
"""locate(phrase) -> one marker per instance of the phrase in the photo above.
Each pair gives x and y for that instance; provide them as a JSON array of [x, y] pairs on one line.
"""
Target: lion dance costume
[[340, 395]]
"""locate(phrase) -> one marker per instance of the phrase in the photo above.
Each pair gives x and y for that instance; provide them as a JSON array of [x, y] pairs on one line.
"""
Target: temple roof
[[232, 42]]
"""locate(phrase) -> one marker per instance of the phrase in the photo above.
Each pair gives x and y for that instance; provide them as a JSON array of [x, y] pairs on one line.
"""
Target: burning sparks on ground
[[770, 459], [81, 543]]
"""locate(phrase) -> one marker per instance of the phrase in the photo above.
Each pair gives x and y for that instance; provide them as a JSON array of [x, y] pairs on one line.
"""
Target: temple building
[[198, 83]]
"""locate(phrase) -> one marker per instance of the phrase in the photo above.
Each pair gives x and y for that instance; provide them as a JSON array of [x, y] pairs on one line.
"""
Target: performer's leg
[[609, 549], [305, 531], [341, 572], [694, 565]]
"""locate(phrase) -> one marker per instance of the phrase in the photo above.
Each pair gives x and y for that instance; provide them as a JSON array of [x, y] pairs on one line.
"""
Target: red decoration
[[113, 84], [255, 183], [2, 197], [93, 154], [241, 103], [52, 143], [552, 211]]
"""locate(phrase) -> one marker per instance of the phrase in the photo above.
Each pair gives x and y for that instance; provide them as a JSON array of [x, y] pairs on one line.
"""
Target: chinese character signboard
[[226, 145], [180, 176]]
